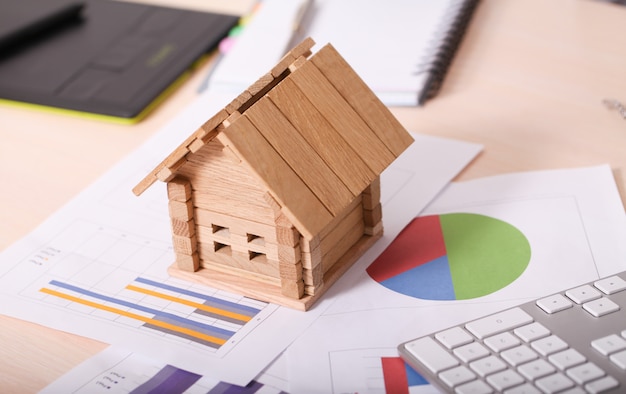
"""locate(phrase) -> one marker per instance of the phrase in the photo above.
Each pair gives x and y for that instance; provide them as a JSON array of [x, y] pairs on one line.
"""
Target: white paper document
[[517, 237], [98, 267], [262, 43], [118, 371]]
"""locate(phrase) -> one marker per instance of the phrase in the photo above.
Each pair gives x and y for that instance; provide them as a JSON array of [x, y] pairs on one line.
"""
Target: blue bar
[[204, 328], [214, 301]]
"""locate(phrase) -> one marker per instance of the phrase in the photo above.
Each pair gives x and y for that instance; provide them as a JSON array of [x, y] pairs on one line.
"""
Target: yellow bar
[[206, 308], [148, 320]]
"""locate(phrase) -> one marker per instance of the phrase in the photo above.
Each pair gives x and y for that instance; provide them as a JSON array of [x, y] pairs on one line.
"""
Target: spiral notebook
[[401, 48]]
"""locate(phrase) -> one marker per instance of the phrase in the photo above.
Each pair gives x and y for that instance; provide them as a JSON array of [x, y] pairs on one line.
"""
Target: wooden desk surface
[[528, 83]]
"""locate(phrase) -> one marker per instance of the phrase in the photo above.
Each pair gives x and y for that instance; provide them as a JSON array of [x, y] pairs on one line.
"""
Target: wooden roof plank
[[299, 155], [342, 117], [212, 123], [238, 102], [325, 140], [362, 99], [204, 133], [299, 204], [260, 84], [302, 49], [282, 65], [145, 183]]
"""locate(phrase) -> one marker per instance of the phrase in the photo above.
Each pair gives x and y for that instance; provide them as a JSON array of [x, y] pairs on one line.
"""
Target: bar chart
[[208, 320], [375, 370]]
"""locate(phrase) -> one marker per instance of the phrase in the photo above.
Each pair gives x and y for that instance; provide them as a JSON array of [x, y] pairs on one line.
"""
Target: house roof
[[311, 130]]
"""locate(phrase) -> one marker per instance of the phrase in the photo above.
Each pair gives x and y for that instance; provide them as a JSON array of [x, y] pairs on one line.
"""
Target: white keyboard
[[570, 342]]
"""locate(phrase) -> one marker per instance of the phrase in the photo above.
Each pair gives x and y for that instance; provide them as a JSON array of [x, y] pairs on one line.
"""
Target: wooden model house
[[277, 194]]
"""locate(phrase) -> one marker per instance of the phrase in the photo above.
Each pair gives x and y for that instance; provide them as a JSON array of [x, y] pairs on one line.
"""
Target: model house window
[[221, 246], [255, 239], [221, 231], [222, 243], [252, 255]]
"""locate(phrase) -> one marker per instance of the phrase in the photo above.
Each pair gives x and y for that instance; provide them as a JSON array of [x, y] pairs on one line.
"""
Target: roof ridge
[[165, 170]]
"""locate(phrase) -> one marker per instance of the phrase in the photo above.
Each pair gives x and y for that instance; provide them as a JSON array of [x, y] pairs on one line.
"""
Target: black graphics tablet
[[113, 60], [22, 20]]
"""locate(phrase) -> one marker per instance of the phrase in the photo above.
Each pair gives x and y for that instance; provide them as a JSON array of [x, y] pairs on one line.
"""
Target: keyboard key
[[487, 365], [600, 307], [601, 385], [574, 390], [431, 354], [611, 285], [609, 344], [536, 369], [453, 337], [499, 322], [554, 303], [470, 352], [505, 379], [456, 376], [583, 294], [548, 345], [585, 373], [526, 388], [619, 359], [502, 341], [566, 359], [475, 387], [532, 331], [519, 355], [554, 383]]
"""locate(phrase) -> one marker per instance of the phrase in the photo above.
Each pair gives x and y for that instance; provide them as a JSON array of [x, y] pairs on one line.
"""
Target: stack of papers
[[98, 267]]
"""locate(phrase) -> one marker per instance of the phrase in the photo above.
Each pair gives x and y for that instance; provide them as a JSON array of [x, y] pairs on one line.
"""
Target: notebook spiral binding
[[444, 45]]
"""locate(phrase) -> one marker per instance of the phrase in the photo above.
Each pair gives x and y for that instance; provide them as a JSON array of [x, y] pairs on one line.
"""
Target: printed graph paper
[[111, 285], [375, 371], [114, 276]]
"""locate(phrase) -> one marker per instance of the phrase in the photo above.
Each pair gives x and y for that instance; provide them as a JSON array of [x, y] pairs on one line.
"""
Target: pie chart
[[454, 256]]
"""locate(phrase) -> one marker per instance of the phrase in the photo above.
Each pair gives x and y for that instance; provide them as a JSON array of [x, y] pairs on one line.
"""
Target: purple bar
[[225, 388], [169, 380]]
